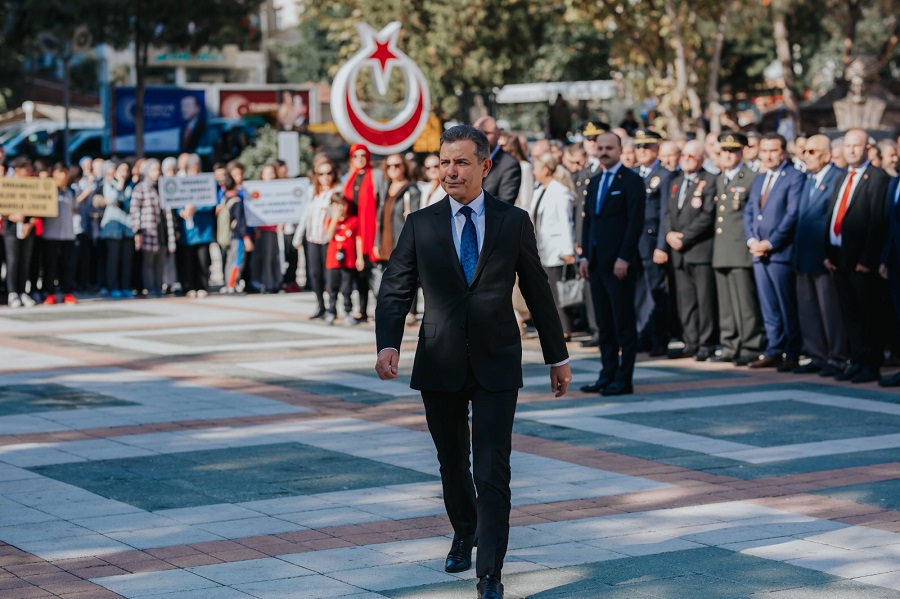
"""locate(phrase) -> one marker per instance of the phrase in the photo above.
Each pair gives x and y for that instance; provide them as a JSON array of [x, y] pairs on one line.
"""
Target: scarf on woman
[[367, 210]]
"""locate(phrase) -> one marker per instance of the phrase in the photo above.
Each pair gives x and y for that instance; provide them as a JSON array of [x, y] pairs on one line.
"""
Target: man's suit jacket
[[694, 219], [581, 179], [865, 222], [467, 325], [776, 221], [615, 231], [656, 189], [891, 255], [729, 244], [551, 213], [193, 138], [813, 220], [504, 179]]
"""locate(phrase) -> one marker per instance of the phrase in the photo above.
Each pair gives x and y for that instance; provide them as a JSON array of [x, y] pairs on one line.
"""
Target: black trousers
[[614, 307], [554, 275], [481, 504], [18, 259], [196, 267], [119, 263], [154, 267], [292, 257], [85, 260], [59, 266], [315, 262], [859, 296], [267, 267], [363, 286], [695, 290], [652, 305], [340, 279]]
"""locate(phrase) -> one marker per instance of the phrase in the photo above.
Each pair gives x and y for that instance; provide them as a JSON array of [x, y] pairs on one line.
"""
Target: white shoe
[[27, 300], [13, 301], [201, 293], [191, 294]]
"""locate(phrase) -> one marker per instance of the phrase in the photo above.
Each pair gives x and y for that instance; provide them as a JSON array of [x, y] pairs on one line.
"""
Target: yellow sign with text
[[28, 196]]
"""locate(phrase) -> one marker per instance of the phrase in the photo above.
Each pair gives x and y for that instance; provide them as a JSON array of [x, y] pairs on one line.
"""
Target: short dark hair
[[470, 133], [777, 136]]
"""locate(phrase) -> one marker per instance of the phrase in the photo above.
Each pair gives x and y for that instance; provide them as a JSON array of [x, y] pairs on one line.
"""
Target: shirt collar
[[614, 169], [477, 205], [820, 176], [731, 174], [779, 169], [859, 169]]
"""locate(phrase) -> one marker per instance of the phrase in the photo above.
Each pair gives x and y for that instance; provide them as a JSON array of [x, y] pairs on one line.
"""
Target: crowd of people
[[748, 248]]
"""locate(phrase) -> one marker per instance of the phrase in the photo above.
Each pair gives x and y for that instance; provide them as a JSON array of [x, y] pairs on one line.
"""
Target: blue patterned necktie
[[601, 194], [468, 245]]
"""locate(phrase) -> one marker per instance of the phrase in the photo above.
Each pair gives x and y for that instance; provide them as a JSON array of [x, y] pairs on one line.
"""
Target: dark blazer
[[581, 179], [467, 325], [398, 215], [195, 136], [729, 244], [615, 232], [891, 255], [777, 221], [694, 219], [865, 222], [656, 188], [812, 222], [504, 179]]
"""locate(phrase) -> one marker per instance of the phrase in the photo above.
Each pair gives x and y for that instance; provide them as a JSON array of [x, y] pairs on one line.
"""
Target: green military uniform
[[740, 322]]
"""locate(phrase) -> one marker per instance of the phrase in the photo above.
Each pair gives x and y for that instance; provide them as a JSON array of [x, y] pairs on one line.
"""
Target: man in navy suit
[[613, 221], [890, 262], [770, 219], [821, 323]]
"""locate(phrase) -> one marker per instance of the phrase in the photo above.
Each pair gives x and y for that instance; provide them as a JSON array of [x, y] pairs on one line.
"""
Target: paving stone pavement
[[230, 448]]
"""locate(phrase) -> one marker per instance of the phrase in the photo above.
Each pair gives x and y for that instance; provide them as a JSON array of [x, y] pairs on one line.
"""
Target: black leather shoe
[[787, 366], [850, 372], [319, 313], [702, 355], [766, 362], [599, 385], [830, 370], [592, 342], [741, 361], [490, 587], [460, 557], [682, 353], [866, 375], [618, 388], [890, 381], [722, 358], [811, 368], [659, 350]]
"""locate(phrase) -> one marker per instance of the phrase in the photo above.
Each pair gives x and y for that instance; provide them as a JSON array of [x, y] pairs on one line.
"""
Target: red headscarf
[[367, 208]]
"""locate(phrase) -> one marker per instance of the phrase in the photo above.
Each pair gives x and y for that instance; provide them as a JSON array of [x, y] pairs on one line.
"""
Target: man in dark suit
[[890, 262], [821, 322], [651, 297], [505, 177], [740, 323], [854, 241], [770, 219], [613, 220], [466, 251], [194, 124], [689, 234]]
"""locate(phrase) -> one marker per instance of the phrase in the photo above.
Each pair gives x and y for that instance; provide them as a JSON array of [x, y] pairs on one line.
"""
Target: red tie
[[842, 207]]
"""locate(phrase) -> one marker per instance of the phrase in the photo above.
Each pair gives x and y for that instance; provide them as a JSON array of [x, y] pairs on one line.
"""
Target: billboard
[[174, 119], [289, 107]]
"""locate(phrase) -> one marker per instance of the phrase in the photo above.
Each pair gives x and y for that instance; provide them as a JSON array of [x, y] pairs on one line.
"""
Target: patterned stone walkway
[[230, 448]]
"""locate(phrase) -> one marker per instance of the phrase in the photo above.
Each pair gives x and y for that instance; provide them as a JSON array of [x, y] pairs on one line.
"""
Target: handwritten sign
[[199, 190], [276, 202], [30, 196]]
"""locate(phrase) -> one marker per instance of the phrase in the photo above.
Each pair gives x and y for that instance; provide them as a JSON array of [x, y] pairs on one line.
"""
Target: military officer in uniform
[[740, 321], [581, 179], [651, 298]]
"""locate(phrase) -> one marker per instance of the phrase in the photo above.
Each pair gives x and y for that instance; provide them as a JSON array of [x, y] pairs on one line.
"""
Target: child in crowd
[[59, 242], [231, 214], [344, 258]]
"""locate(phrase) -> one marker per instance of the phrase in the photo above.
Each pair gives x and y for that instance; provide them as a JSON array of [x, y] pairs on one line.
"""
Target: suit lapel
[[859, 191], [493, 218], [443, 225]]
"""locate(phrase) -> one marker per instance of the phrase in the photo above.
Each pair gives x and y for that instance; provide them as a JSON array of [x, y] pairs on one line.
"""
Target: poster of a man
[[194, 123], [293, 111]]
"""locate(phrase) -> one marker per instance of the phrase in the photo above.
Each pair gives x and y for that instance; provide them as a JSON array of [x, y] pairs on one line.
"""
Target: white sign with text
[[199, 190], [277, 202]]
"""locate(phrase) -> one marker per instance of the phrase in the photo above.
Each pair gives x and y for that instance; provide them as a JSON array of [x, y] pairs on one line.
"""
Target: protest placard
[[31, 196], [277, 202], [199, 190]]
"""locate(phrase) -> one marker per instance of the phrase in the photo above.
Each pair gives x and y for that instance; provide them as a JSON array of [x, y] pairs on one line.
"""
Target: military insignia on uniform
[[654, 182], [740, 174], [736, 202], [699, 191], [696, 202], [822, 187]]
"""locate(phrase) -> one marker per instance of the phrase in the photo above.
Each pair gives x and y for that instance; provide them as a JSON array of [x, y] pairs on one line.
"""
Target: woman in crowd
[[315, 228], [59, 241], [241, 243], [267, 256], [431, 189], [18, 242], [154, 233], [551, 212], [115, 230], [514, 148], [197, 233]]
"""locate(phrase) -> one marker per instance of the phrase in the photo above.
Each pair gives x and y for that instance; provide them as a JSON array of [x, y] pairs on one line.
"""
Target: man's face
[[711, 145], [359, 160], [692, 157], [153, 172], [461, 171], [771, 153], [189, 108], [590, 146], [731, 157], [629, 160], [574, 161], [669, 156], [490, 129], [817, 153], [855, 147], [646, 154], [890, 158], [609, 150], [751, 151], [219, 174]]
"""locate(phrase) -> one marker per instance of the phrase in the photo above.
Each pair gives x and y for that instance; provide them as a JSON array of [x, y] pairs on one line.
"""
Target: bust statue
[[856, 109]]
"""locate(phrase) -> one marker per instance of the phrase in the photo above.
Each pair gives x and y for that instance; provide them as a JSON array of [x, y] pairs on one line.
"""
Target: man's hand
[[883, 271], [560, 377], [831, 267], [863, 269], [388, 361], [584, 268], [675, 240], [660, 257], [620, 269], [138, 239], [760, 249]]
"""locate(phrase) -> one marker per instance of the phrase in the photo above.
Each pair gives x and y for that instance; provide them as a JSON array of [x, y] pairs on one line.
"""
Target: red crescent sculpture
[[385, 138]]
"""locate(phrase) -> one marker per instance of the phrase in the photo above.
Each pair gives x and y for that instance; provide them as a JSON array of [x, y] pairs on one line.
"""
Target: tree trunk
[[715, 64], [783, 50], [141, 49], [683, 91]]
